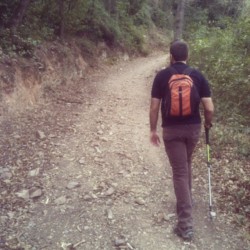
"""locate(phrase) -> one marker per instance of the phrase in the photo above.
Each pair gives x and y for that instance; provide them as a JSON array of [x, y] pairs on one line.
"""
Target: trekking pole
[[211, 212]]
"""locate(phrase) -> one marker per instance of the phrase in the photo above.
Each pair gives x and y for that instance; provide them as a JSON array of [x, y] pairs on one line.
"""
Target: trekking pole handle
[[207, 135], [207, 145]]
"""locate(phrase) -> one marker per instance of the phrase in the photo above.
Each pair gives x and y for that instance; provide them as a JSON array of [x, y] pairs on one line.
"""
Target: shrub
[[225, 62], [223, 56]]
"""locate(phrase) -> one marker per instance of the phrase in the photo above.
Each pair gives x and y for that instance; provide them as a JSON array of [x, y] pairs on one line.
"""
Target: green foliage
[[117, 22], [220, 42], [134, 6], [6, 43], [216, 10], [160, 18], [99, 25], [143, 17], [234, 136], [223, 55], [87, 48], [6, 9]]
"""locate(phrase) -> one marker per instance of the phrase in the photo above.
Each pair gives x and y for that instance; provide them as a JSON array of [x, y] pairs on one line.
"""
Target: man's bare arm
[[208, 110]]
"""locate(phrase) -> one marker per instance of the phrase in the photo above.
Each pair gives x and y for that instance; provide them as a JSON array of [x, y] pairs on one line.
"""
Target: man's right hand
[[208, 125], [154, 138], [208, 111]]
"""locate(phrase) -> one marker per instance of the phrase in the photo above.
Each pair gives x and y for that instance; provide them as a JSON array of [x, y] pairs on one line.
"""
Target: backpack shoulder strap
[[172, 70], [187, 71]]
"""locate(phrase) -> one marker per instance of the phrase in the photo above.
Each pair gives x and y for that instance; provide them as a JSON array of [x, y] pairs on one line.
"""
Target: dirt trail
[[103, 186]]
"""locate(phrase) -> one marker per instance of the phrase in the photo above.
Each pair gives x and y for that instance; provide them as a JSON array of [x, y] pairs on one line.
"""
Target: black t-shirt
[[160, 86]]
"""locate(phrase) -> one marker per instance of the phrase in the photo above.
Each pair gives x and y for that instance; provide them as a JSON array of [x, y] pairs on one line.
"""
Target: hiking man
[[181, 128]]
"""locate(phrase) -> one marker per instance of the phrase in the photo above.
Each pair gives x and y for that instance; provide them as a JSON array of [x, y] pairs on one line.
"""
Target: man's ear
[[171, 59]]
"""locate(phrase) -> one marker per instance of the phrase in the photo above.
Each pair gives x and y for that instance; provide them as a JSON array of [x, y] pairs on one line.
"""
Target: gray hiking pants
[[180, 142]]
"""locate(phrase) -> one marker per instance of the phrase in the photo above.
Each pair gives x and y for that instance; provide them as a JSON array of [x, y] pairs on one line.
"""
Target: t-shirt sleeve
[[205, 88], [156, 91]]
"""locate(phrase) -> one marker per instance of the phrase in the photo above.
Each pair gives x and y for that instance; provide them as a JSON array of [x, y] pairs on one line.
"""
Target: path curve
[[103, 185]]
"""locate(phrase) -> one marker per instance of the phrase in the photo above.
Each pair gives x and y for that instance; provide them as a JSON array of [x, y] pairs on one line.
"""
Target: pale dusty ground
[[96, 135]]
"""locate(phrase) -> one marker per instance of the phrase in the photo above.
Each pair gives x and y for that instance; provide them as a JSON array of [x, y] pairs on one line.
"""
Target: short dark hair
[[179, 50]]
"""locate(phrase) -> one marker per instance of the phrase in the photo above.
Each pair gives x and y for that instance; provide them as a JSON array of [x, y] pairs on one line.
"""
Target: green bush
[[223, 56], [118, 22], [143, 17], [160, 18]]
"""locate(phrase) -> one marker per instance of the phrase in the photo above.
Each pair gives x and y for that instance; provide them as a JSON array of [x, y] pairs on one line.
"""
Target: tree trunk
[[17, 18], [110, 6], [61, 14], [179, 20]]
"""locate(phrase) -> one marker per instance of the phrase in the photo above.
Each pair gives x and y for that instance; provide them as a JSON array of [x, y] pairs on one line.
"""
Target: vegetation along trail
[[87, 177]]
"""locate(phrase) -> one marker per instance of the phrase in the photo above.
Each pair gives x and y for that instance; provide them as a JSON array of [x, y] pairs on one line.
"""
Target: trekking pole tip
[[212, 214]]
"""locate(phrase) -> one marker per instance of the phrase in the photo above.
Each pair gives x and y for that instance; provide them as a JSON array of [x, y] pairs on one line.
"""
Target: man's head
[[179, 51]]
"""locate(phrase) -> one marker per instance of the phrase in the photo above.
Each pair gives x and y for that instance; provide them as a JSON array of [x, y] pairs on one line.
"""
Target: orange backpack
[[182, 96]]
